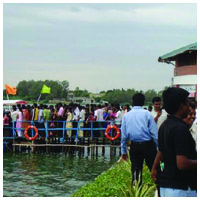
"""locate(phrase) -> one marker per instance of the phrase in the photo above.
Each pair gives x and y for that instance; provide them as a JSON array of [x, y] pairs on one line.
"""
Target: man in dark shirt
[[176, 147]]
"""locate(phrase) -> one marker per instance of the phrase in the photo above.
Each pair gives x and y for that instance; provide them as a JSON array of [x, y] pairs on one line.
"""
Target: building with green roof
[[184, 60]]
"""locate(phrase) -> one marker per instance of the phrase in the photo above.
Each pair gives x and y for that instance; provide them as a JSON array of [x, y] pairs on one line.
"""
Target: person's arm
[[157, 116], [182, 138], [183, 163], [153, 130], [156, 163]]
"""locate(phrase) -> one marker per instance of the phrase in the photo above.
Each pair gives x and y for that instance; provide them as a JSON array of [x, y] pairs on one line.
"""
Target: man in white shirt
[[159, 114], [98, 115], [76, 113], [14, 113], [41, 121], [82, 119], [119, 115]]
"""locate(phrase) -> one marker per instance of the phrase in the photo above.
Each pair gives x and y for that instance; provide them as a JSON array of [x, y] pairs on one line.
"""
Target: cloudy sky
[[95, 46]]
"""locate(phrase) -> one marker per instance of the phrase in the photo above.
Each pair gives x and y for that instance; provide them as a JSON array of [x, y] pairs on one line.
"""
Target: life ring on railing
[[107, 131], [26, 133]]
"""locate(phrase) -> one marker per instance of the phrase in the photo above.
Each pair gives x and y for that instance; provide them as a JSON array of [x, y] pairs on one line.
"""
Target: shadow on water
[[44, 175]]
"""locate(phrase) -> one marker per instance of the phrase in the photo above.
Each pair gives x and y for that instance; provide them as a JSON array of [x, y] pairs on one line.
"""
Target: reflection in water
[[42, 175]]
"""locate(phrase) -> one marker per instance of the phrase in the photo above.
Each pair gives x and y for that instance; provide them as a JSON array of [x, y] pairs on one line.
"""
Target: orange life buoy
[[107, 131], [26, 133]]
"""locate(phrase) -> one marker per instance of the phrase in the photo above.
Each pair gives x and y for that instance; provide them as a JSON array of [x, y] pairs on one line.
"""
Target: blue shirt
[[138, 125]]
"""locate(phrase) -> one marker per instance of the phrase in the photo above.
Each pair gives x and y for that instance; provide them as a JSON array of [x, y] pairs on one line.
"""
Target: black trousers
[[140, 151]]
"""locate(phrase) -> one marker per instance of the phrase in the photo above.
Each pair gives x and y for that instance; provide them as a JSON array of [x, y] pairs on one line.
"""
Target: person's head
[[156, 102], [191, 115], [138, 99], [124, 108], [194, 102], [45, 106], [69, 109], [99, 106], [23, 106], [14, 107], [176, 102], [35, 105], [113, 109], [150, 108]]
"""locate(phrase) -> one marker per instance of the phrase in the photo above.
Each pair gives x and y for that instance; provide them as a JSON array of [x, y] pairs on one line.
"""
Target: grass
[[116, 182]]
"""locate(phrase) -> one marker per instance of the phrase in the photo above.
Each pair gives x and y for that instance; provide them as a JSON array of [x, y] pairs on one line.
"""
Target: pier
[[92, 142]]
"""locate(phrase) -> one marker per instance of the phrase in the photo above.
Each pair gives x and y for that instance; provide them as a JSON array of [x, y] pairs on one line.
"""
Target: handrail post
[[46, 129], [63, 130], [46, 134], [13, 127], [91, 129], [77, 129]]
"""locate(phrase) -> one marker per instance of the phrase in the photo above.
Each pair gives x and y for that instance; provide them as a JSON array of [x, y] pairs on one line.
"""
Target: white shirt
[[162, 117], [82, 115], [99, 115], [76, 114], [14, 115], [119, 116], [40, 116]]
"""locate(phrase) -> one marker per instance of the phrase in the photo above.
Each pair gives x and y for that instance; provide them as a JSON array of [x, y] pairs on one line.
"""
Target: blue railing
[[47, 128]]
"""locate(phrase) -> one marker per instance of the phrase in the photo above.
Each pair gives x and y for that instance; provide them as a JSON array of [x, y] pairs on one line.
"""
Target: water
[[43, 175]]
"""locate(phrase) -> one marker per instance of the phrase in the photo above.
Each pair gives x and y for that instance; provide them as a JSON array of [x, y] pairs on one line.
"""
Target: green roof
[[171, 56]]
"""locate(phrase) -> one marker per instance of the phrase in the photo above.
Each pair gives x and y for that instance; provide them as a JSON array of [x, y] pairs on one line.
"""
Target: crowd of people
[[166, 139], [70, 114]]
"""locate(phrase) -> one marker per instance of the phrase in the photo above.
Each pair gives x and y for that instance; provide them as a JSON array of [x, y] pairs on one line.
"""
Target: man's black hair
[[138, 99], [156, 99], [173, 98], [14, 107]]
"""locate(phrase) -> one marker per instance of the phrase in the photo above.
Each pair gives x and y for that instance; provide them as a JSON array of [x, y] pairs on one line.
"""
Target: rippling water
[[51, 175]]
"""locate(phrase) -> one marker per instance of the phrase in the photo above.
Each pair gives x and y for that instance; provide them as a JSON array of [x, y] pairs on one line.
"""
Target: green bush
[[116, 182]]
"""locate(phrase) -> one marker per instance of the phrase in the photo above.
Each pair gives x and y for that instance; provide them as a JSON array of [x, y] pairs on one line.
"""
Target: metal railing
[[47, 128]]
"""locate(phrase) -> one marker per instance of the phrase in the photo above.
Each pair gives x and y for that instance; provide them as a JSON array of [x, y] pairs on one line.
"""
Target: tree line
[[125, 96], [30, 91]]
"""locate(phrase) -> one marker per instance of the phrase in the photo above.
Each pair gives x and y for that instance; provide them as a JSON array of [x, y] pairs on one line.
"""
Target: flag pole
[[8, 100], [38, 98]]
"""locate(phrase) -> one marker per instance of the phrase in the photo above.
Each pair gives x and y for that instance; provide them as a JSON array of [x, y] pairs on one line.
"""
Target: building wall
[[185, 70]]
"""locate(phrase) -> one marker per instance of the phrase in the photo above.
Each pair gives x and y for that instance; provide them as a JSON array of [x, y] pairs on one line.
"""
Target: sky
[[97, 47]]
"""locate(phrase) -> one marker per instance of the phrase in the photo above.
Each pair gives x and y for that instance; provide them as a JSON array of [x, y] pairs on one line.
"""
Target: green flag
[[45, 89]]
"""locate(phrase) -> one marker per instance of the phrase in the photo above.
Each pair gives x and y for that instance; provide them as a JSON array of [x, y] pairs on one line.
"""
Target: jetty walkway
[[83, 138]]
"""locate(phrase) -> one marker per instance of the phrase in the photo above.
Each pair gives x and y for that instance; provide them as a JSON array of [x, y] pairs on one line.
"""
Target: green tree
[[149, 94], [81, 93]]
